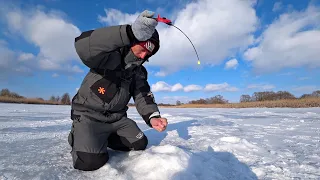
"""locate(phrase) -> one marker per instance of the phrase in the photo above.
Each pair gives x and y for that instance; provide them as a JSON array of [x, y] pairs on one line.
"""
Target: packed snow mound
[[161, 162], [172, 162]]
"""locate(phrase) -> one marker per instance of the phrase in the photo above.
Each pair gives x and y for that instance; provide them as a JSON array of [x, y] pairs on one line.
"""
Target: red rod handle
[[163, 19]]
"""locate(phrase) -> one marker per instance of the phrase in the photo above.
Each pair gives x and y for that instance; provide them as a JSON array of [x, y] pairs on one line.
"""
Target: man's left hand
[[159, 124], [144, 26]]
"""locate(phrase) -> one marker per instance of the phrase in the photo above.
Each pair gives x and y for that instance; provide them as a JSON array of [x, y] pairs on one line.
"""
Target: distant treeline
[[11, 97], [218, 99], [256, 97], [284, 99], [272, 96]]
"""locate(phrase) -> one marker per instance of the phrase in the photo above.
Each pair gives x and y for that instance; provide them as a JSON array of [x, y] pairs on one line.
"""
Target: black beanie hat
[[154, 39]]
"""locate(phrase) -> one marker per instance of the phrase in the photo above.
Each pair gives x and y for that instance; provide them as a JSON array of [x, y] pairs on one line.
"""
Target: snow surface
[[202, 144]]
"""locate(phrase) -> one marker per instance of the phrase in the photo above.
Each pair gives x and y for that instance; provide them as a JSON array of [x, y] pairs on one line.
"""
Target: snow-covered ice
[[255, 143]]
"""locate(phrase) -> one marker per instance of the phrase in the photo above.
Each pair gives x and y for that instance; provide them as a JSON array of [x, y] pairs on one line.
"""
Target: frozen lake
[[256, 143]]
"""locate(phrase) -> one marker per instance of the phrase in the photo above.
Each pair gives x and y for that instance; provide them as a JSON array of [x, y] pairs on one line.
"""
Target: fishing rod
[[169, 23]]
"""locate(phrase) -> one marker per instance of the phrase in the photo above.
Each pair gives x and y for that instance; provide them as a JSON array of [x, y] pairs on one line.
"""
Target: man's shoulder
[[142, 72]]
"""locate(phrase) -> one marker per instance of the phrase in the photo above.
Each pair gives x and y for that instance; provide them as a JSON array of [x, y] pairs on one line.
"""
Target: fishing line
[[169, 23]]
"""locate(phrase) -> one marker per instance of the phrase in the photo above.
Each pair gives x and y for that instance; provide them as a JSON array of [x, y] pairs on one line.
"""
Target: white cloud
[[26, 57], [177, 87], [303, 78], [161, 74], [286, 74], [76, 68], [218, 29], [277, 6], [55, 75], [305, 89], [220, 87], [261, 86], [290, 41], [232, 64], [6, 55], [47, 64], [24, 70], [10, 64], [163, 86], [192, 87], [115, 17], [48, 31], [160, 86], [251, 53]]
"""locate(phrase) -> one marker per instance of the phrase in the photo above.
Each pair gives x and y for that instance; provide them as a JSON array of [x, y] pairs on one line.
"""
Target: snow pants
[[90, 139]]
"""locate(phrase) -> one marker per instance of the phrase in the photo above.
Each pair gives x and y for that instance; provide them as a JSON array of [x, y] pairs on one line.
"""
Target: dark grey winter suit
[[100, 105]]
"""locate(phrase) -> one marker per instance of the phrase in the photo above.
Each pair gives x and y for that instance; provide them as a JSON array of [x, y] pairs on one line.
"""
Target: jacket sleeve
[[95, 46], [143, 97]]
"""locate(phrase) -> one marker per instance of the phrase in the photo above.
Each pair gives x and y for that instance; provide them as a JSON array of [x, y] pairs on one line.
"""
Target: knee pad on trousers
[[90, 161], [141, 144]]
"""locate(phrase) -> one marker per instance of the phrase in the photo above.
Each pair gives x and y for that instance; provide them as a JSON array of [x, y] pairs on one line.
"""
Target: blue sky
[[244, 46]]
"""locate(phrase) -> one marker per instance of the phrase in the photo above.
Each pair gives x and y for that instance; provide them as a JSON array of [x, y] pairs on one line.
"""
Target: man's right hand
[[159, 124], [144, 26]]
